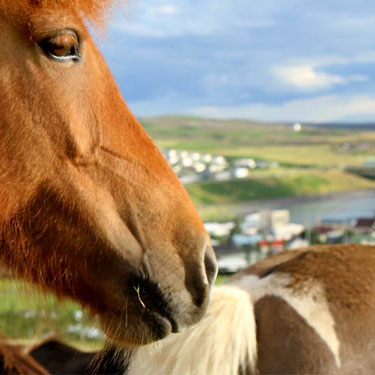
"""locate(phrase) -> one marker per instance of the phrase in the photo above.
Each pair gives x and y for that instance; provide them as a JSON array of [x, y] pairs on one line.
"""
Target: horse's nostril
[[210, 264]]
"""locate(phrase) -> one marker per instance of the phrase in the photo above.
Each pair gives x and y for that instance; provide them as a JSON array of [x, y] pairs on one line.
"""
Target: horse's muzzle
[[210, 265]]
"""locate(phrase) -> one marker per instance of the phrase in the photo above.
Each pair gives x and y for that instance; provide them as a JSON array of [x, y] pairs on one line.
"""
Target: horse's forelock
[[93, 10]]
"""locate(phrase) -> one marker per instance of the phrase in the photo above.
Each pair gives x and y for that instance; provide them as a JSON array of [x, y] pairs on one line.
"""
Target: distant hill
[[315, 145], [175, 129], [348, 126]]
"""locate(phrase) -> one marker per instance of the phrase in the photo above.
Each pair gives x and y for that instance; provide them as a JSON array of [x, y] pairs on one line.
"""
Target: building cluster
[[193, 167], [360, 230], [258, 235], [263, 233]]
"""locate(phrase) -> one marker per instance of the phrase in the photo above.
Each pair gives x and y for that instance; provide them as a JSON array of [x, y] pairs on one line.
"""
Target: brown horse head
[[89, 207]]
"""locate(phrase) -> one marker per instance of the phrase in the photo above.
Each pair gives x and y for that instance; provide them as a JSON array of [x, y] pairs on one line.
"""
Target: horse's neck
[[222, 343]]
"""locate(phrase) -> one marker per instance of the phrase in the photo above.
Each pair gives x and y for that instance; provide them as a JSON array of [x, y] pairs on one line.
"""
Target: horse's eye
[[62, 46]]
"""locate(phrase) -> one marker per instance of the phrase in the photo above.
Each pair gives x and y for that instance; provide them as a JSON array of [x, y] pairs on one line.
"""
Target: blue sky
[[271, 60]]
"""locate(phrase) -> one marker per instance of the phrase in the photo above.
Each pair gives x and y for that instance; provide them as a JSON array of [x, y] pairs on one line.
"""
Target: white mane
[[223, 341]]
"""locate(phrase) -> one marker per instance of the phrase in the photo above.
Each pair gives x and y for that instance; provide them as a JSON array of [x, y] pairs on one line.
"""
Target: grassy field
[[220, 279], [279, 183], [313, 146], [27, 316], [308, 155]]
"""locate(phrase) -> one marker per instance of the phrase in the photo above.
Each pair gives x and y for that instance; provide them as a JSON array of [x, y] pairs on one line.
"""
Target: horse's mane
[[223, 342], [93, 10]]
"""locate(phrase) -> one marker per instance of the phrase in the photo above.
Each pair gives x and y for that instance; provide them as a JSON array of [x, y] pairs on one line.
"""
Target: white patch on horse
[[220, 343], [309, 302]]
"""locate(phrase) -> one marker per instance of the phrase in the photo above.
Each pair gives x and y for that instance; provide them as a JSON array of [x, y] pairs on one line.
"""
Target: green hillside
[[313, 146], [284, 184], [311, 161]]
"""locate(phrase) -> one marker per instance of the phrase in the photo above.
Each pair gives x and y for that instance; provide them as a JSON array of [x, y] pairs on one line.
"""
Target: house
[[287, 232], [239, 239], [219, 229], [244, 163], [365, 225], [323, 228], [232, 259], [252, 223], [240, 172]]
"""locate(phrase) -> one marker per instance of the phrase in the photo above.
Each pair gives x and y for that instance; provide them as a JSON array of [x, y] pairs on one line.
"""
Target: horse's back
[[314, 310]]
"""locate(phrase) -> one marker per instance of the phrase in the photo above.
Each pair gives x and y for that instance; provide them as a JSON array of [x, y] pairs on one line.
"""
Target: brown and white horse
[[89, 208], [300, 312]]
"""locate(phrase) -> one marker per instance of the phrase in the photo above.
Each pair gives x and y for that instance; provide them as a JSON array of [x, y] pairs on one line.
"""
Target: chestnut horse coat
[[89, 207]]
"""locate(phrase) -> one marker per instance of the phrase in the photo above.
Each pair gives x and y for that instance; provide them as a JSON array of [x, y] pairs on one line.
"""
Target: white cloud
[[317, 109], [307, 77], [365, 57], [239, 51], [169, 10]]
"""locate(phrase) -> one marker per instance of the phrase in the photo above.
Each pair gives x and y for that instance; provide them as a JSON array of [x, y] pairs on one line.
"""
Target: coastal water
[[310, 210], [343, 208]]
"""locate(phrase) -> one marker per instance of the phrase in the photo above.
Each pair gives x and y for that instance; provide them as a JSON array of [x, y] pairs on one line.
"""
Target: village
[[194, 167], [241, 243], [261, 233]]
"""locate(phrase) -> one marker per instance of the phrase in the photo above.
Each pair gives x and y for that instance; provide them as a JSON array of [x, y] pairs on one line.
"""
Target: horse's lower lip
[[162, 325], [167, 318]]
